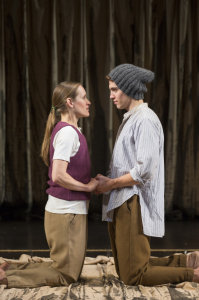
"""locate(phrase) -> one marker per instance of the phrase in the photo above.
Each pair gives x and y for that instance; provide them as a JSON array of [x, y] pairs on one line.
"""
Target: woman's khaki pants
[[67, 239], [131, 251]]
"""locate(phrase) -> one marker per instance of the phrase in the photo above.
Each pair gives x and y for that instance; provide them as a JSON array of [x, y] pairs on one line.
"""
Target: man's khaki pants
[[67, 239], [131, 251]]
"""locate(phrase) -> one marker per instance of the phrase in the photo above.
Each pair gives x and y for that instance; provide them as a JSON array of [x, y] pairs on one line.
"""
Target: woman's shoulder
[[69, 129], [66, 135], [67, 132]]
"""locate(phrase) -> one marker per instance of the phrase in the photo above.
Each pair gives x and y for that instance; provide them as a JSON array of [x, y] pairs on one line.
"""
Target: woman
[[65, 151]]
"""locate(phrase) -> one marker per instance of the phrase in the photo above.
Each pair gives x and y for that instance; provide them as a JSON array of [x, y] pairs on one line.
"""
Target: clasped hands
[[105, 184]]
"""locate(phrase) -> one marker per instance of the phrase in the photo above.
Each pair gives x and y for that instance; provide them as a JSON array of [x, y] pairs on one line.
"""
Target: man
[[134, 189]]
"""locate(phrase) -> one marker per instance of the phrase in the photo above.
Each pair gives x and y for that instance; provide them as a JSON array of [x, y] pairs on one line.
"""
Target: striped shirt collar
[[130, 112]]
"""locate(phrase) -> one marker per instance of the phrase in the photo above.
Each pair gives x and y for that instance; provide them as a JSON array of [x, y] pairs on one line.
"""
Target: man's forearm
[[106, 184], [122, 181]]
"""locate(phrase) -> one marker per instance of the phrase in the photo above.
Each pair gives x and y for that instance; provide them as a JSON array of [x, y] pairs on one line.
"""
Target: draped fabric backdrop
[[44, 42]]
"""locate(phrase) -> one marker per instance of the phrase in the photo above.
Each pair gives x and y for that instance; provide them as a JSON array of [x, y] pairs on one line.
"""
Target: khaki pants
[[131, 251], [67, 239]]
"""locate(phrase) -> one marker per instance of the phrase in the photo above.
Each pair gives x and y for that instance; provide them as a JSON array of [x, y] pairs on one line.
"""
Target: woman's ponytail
[[51, 122]]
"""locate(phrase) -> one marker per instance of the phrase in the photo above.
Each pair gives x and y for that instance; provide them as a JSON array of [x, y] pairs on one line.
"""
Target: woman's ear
[[69, 102]]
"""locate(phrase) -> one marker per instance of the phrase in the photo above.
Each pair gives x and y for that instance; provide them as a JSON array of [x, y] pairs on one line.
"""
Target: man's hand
[[105, 184]]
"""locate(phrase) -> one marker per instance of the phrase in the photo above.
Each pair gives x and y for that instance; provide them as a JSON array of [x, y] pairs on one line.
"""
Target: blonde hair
[[62, 91]]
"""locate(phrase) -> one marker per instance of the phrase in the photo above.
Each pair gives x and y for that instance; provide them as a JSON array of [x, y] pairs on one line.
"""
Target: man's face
[[120, 99]]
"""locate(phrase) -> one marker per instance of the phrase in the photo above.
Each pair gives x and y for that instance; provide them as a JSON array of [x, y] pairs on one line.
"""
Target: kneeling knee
[[129, 281]]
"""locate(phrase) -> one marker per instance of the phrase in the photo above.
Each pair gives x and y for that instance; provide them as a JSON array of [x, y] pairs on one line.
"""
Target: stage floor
[[98, 281], [30, 235]]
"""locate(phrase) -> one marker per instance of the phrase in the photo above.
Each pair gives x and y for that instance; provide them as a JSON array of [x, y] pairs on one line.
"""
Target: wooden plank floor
[[30, 235]]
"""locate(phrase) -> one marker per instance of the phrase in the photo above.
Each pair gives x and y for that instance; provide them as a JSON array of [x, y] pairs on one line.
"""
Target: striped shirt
[[139, 149]]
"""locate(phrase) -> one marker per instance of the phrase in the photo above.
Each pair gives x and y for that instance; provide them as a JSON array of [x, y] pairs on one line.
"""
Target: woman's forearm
[[70, 183], [61, 177]]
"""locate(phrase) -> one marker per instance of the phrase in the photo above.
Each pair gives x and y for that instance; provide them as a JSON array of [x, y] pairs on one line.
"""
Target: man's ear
[[69, 102]]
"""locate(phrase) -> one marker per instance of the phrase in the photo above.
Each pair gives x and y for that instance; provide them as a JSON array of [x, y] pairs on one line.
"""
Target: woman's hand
[[92, 184], [105, 184]]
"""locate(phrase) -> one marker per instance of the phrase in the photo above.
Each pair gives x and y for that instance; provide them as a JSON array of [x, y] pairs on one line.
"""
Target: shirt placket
[[118, 134]]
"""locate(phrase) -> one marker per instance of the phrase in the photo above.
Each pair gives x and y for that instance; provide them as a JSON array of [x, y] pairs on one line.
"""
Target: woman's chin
[[87, 114]]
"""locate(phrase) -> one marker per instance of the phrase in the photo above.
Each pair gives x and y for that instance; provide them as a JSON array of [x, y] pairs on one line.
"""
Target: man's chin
[[119, 106]]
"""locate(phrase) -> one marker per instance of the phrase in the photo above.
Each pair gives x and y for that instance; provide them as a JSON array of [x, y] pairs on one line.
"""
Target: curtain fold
[[49, 41], [41, 56], [54, 47], [172, 137], [111, 66], [195, 78], [187, 162], [26, 98], [15, 155], [2, 106]]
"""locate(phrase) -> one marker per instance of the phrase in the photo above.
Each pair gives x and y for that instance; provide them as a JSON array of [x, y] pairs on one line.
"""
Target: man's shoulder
[[147, 112], [145, 117]]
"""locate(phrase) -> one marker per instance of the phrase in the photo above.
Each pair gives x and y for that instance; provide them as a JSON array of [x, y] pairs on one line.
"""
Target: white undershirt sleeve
[[66, 143]]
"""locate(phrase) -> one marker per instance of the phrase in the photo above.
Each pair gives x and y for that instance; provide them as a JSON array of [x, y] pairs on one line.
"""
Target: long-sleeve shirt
[[139, 150]]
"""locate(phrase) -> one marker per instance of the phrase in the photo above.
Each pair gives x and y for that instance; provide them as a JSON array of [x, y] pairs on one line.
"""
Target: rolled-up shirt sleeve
[[146, 139]]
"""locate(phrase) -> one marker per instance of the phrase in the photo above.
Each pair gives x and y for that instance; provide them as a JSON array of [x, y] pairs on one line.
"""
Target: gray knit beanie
[[131, 80]]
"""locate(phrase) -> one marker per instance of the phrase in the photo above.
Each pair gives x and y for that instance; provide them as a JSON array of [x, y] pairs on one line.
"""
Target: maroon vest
[[79, 168]]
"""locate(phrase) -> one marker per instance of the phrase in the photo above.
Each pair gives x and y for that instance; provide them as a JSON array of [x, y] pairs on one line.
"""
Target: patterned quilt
[[98, 281]]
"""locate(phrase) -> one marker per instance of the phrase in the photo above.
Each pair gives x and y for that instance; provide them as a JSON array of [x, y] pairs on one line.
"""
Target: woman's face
[[81, 103]]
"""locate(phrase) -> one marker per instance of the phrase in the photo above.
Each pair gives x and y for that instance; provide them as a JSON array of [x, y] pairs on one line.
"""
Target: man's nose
[[112, 96]]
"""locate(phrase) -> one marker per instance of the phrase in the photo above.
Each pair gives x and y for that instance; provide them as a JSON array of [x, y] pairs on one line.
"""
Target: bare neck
[[134, 103], [70, 119]]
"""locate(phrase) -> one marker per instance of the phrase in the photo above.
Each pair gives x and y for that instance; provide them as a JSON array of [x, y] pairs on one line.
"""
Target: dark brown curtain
[[45, 42]]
